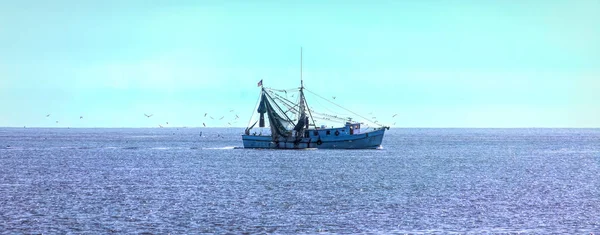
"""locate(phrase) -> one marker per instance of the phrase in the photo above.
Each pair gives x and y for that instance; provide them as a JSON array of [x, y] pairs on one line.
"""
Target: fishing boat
[[287, 124]]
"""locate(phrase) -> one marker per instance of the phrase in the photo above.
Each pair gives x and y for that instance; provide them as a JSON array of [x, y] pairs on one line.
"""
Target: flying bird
[[333, 97], [204, 124], [205, 114], [221, 118], [231, 110], [236, 116], [211, 117], [394, 115], [167, 123], [160, 126], [229, 123], [148, 115], [80, 117], [56, 121], [47, 115]]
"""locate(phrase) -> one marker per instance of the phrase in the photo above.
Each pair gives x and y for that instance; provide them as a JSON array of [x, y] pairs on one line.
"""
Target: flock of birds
[[229, 123]]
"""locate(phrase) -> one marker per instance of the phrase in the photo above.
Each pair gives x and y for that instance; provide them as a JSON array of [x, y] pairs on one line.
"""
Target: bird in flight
[[80, 117], [205, 114], [211, 117], [148, 115], [47, 115], [221, 118], [56, 121], [333, 97], [204, 124], [167, 123], [236, 116], [160, 126], [231, 110], [229, 123], [394, 115]]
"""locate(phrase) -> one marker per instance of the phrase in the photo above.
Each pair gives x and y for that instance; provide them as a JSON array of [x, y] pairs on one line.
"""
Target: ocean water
[[422, 181]]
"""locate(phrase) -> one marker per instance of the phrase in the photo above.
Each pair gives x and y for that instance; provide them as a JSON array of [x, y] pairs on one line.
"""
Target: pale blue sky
[[434, 63]]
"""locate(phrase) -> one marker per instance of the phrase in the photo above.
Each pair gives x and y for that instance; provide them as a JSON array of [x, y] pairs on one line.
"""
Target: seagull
[[160, 126], [394, 115], [167, 123], [56, 121], [221, 118], [231, 110], [394, 124], [229, 123], [47, 115], [148, 115], [236, 116], [333, 97], [80, 117], [374, 117], [204, 124], [205, 114], [211, 117]]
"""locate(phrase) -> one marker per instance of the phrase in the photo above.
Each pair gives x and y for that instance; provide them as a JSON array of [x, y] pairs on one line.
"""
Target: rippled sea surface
[[422, 181]]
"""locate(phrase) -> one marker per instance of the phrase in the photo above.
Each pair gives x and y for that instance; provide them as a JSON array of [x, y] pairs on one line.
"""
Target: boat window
[[328, 132]]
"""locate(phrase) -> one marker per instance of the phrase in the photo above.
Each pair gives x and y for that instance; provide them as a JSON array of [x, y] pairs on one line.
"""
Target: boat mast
[[303, 104]]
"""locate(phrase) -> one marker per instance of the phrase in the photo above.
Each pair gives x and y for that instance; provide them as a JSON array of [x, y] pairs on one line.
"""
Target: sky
[[432, 63]]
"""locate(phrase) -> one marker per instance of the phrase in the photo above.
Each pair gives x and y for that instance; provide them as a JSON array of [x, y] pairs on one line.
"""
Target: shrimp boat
[[287, 124]]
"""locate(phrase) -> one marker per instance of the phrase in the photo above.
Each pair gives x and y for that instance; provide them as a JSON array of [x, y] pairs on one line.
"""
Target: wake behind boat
[[293, 125]]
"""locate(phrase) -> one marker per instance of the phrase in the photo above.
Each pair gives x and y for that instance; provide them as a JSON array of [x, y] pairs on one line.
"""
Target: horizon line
[[185, 127]]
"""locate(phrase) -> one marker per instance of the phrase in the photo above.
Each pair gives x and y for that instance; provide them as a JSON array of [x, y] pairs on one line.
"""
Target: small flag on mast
[[260, 83]]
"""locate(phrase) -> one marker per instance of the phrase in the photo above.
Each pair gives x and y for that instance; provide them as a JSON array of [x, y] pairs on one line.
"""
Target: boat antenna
[[301, 81]]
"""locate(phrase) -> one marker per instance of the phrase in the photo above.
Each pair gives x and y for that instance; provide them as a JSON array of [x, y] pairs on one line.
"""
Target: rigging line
[[321, 118], [282, 98], [344, 108], [283, 90], [291, 107], [276, 105], [306, 104], [255, 108], [330, 116], [331, 111], [289, 104], [285, 102]]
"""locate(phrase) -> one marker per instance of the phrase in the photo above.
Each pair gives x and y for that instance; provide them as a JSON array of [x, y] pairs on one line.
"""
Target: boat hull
[[368, 140]]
